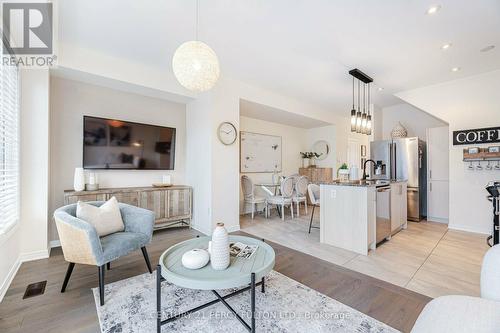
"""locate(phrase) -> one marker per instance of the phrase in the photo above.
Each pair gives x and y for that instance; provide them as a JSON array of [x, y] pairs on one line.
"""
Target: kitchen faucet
[[364, 168]]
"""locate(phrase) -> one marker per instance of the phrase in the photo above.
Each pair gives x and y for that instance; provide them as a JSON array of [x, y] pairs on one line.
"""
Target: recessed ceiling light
[[446, 46], [487, 48], [380, 88], [455, 69], [433, 9]]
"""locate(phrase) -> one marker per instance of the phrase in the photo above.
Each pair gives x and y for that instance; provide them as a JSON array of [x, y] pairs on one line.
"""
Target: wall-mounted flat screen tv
[[118, 144]]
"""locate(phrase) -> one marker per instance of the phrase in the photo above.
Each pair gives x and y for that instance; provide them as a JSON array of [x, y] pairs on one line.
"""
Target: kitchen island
[[356, 215]]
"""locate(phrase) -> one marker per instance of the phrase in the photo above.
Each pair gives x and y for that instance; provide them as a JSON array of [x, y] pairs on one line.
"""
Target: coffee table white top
[[236, 275]]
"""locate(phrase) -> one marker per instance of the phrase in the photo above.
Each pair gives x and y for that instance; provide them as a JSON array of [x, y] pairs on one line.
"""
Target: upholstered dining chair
[[300, 193], [81, 244], [313, 191], [284, 199], [249, 196]]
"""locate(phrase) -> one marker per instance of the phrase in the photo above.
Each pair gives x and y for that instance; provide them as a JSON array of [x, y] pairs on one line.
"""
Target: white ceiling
[[263, 112], [300, 48]]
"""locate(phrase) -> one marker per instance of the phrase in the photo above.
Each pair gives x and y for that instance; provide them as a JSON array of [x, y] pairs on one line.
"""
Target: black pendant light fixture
[[363, 116], [369, 117], [353, 111], [361, 122], [358, 114]]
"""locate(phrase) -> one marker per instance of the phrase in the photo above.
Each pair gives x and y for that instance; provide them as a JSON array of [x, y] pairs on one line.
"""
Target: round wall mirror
[[322, 148]]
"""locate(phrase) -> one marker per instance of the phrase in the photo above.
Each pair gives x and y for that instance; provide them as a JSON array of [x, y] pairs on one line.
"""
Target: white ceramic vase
[[79, 180], [219, 249]]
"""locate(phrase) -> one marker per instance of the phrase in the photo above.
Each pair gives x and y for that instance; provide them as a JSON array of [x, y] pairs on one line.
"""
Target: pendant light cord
[[368, 98], [358, 95], [364, 97], [353, 92], [197, 17]]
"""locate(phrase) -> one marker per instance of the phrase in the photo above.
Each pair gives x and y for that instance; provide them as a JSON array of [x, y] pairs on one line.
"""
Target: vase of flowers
[[309, 159]]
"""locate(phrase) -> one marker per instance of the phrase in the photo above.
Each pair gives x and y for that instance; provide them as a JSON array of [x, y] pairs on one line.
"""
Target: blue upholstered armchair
[[81, 244]]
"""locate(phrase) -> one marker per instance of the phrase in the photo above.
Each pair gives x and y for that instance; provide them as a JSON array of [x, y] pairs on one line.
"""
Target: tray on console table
[[172, 205]]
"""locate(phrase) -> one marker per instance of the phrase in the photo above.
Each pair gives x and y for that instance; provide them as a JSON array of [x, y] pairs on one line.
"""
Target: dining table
[[271, 189]]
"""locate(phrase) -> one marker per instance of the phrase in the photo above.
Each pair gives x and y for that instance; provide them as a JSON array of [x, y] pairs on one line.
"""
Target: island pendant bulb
[[353, 111], [358, 114], [369, 124]]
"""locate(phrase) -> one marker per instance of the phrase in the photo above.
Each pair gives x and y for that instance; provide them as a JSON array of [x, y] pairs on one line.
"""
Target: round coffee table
[[241, 272]]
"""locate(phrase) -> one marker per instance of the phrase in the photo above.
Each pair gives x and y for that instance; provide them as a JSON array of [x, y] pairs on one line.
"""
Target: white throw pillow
[[106, 219]]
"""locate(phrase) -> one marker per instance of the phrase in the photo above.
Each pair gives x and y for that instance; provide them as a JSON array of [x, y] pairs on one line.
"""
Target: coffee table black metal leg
[[158, 299], [252, 295], [262, 286]]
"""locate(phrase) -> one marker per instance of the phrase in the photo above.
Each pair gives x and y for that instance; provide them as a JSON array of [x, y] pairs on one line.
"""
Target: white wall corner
[[8, 278]]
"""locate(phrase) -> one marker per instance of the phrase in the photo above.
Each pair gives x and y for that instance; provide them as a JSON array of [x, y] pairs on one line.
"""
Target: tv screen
[[118, 144]]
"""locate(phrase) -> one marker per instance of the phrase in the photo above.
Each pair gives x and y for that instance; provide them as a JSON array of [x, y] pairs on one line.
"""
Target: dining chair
[[300, 192], [284, 199], [249, 196], [313, 191]]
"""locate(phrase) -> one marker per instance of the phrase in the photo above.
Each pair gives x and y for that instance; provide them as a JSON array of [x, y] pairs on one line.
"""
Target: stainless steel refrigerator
[[403, 159]]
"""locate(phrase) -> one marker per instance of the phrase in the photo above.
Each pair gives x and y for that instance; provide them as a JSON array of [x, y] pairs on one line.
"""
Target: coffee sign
[[475, 136]]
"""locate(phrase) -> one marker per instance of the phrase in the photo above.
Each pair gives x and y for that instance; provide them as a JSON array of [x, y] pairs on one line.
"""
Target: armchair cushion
[[106, 219], [120, 244]]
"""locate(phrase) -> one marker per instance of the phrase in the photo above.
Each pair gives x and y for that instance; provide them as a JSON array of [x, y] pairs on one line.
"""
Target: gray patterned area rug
[[286, 306]]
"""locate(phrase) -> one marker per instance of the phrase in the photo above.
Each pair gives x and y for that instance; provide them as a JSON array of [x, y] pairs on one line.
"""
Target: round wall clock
[[227, 133]]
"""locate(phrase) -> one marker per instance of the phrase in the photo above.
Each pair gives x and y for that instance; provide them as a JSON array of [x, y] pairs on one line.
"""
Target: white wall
[[213, 167], [467, 103], [293, 141], [414, 120], [28, 239], [71, 100]]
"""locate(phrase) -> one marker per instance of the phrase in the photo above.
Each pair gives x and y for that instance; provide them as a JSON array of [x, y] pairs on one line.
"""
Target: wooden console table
[[172, 205], [317, 175]]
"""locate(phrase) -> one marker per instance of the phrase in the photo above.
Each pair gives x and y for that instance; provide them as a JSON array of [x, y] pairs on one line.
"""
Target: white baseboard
[[54, 243], [8, 279], [233, 228], [202, 230], [437, 219], [468, 229], [24, 257]]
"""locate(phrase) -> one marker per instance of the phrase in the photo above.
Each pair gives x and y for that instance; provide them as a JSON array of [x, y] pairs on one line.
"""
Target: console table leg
[[158, 299], [252, 295]]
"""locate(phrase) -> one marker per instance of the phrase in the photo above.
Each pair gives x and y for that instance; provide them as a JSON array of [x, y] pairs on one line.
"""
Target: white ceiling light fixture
[[380, 88], [446, 46], [455, 69], [433, 9], [195, 64]]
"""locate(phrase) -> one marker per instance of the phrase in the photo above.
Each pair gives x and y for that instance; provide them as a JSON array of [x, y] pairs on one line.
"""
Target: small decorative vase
[[312, 162], [79, 180], [219, 249], [195, 259], [305, 163], [399, 131]]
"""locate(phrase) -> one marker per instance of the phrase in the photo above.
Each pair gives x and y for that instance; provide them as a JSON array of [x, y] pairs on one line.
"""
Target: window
[[9, 147]]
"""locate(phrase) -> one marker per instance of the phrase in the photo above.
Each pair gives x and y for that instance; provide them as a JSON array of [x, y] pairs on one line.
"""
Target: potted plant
[[343, 172]]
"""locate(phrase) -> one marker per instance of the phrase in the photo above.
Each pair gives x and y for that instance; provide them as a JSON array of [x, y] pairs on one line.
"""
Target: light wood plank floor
[[426, 258], [74, 311]]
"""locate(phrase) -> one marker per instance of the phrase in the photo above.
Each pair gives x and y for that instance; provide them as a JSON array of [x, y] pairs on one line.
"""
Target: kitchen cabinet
[[399, 204], [438, 171]]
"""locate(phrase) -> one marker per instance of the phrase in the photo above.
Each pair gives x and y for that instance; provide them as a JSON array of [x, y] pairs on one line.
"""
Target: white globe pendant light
[[195, 64]]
